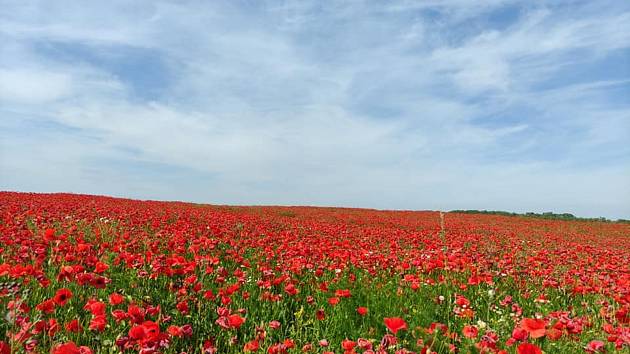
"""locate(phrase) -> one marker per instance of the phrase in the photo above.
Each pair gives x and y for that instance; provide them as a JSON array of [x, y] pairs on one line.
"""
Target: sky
[[435, 104]]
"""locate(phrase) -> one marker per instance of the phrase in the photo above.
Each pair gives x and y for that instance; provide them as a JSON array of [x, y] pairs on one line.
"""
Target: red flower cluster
[[83, 274]]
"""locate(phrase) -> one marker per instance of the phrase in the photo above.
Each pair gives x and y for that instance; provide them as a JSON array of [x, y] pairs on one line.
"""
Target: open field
[[81, 274]]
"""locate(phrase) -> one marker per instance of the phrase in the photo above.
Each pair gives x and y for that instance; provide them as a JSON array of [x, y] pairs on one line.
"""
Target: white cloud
[[300, 103], [529, 50], [33, 86]]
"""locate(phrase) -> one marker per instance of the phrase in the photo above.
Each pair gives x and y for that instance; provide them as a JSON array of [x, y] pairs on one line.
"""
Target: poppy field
[[90, 274]]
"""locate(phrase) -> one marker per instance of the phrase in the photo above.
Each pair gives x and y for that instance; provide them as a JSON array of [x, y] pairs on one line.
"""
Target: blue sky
[[520, 106]]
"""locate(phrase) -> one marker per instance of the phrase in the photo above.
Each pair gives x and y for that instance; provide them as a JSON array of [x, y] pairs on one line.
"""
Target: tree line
[[545, 215]]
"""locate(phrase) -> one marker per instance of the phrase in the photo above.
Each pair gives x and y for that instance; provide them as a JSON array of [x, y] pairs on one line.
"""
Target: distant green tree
[[544, 215]]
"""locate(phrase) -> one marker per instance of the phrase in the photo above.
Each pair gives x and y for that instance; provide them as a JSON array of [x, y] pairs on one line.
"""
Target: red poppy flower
[[182, 307], [119, 315], [73, 326], [100, 267], [528, 348], [470, 331], [348, 345], [96, 308], [235, 321], [320, 314], [288, 343], [535, 327], [47, 306], [251, 346], [71, 348], [291, 289], [362, 311], [137, 333], [4, 348], [151, 329], [99, 282], [67, 348], [98, 323], [395, 324], [278, 348], [554, 334], [208, 295], [49, 235], [136, 313], [187, 330], [519, 334], [462, 301], [115, 299], [388, 340], [62, 296], [343, 293], [595, 346], [175, 331], [274, 324], [364, 344], [307, 347]]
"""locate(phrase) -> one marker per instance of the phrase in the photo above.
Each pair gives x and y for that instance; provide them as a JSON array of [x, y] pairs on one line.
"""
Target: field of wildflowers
[[89, 274]]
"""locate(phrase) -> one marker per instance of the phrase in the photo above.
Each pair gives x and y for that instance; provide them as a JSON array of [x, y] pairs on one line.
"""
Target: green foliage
[[545, 215]]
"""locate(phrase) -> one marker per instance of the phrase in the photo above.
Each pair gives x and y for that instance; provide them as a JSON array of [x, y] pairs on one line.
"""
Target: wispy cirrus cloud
[[439, 104]]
